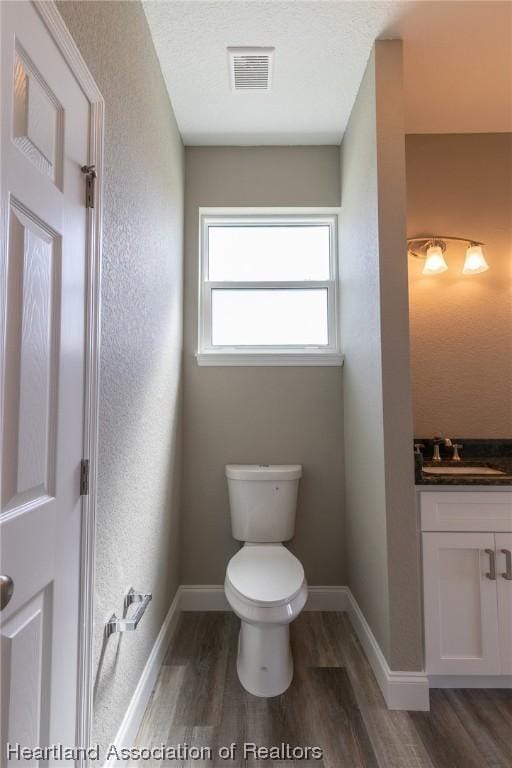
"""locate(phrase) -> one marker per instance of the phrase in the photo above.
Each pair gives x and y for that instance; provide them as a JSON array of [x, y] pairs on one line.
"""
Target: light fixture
[[432, 248], [434, 262], [475, 260]]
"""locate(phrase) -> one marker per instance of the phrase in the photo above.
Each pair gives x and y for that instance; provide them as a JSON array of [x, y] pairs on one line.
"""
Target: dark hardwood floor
[[334, 703]]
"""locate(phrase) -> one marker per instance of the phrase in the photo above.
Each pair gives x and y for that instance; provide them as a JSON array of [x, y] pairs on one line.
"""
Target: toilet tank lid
[[263, 471]]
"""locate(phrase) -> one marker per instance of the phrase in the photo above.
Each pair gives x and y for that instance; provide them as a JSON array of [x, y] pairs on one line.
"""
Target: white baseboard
[[470, 681], [401, 690], [203, 597], [132, 719], [211, 597], [327, 599]]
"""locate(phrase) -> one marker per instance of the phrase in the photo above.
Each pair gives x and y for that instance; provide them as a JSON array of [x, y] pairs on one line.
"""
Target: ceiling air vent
[[250, 68]]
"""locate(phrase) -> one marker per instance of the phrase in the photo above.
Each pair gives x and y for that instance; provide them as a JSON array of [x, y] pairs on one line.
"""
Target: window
[[268, 288]]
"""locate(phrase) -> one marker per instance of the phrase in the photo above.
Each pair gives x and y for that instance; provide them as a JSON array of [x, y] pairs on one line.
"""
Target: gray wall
[[258, 415], [140, 410], [461, 340], [381, 539]]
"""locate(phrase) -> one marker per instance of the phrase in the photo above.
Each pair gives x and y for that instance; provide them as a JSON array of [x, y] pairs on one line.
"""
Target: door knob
[[6, 590]]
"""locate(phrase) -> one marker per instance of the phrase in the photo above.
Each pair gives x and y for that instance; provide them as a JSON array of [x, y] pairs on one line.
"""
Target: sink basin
[[464, 470]]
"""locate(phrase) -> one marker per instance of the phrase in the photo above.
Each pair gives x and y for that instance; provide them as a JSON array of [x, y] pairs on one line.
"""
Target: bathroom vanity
[[466, 541]]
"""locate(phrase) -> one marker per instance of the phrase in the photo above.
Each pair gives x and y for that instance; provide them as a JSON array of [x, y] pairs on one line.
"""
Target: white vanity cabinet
[[467, 589]]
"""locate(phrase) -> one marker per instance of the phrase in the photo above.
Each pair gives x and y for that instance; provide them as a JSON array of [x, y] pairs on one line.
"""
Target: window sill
[[262, 359]]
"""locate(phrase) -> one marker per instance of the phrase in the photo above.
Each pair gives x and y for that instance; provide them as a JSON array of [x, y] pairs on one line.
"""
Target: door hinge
[[84, 477], [90, 184]]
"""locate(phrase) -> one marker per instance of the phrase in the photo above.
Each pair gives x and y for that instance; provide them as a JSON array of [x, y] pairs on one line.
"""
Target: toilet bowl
[[266, 588]]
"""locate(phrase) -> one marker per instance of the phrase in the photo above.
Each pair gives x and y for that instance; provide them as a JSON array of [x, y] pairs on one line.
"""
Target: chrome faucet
[[456, 448], [438, 440]]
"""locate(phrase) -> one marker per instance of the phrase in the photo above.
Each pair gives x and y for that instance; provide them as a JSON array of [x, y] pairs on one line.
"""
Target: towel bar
[[129, 625]]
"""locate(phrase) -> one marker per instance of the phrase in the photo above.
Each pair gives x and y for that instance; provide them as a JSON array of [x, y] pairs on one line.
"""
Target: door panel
[[459, 574], [461, 619], [44, 143], [26, 653], [38, 118], [504, 542], [32, 330]]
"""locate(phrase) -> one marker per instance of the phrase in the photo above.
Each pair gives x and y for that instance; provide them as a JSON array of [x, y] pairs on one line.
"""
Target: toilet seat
[[265, 584], [265, 575]]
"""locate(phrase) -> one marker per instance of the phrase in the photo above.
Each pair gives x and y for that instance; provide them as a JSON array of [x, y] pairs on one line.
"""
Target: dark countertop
[[496, 454]]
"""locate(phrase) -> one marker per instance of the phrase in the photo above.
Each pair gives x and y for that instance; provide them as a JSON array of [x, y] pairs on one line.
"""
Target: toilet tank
[[263, 501]]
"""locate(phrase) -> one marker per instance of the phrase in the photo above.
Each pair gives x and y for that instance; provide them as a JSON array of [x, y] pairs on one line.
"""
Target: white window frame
[[323, 355]]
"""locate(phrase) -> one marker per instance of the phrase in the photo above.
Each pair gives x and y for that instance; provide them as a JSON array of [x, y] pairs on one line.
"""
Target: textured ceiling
[[457, 64]]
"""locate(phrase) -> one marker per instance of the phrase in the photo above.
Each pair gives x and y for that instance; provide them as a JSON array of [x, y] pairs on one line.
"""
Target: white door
[[44, 143], [460, 604], [504, 582]]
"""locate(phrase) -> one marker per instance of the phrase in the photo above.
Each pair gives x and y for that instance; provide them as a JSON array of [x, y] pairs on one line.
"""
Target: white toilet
[[265, 583]]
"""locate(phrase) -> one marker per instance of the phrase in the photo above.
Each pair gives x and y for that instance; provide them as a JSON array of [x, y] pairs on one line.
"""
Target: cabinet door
[[504, 583], [460, 604]]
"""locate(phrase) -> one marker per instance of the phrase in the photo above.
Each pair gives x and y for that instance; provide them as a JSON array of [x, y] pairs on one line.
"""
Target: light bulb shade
[[435, 263], [475, 261]]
